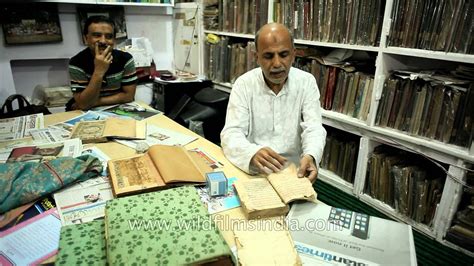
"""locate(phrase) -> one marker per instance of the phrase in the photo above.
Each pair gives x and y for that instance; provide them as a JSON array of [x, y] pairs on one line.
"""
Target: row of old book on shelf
[[413, 102], [340, 154], [235, 15], [408, 183], [339, 21], [433, 25], [430, 105], [226, 61], [342, 89]]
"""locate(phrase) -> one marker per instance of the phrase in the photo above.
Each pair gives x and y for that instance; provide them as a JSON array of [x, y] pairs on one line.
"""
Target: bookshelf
[[163, 3], [155, 3], [386, 58]]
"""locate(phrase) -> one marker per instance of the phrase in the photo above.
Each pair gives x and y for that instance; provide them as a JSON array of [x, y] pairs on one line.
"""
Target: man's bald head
[[274, 30], [275, 53]]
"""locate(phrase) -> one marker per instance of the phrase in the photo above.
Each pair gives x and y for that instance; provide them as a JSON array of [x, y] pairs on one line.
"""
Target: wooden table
[[115, 150]]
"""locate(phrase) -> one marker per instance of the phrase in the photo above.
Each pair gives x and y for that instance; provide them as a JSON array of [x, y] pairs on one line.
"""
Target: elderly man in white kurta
[[274, 113]]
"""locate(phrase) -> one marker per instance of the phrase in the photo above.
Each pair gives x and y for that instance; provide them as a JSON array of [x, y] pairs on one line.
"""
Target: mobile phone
[[361, 225]]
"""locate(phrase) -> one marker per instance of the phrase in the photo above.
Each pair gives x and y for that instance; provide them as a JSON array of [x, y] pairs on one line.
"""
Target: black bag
[[24, 107]]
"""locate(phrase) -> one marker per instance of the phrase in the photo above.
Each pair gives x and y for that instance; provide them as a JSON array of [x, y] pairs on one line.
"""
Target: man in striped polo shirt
[[101, 75]]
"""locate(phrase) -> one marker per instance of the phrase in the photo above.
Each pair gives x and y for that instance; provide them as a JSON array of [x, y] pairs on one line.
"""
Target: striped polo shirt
[[120, 73]]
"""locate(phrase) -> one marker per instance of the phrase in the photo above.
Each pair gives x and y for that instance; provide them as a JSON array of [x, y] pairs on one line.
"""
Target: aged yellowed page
[[264, 242], [133, 175], [175, 164], [290, 187], [98, 131], [259, 199], [89, 131], [124, 128]]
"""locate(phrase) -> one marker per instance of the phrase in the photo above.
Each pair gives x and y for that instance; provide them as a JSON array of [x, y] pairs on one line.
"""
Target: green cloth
[[23, 182], [134, 235], [82, 244]]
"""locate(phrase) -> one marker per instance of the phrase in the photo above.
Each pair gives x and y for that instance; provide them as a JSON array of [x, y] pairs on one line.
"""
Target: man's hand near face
[[103, 59], [268, 161]]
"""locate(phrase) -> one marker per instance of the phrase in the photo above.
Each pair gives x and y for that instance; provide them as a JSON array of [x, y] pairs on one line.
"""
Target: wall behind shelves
[[25, 66]]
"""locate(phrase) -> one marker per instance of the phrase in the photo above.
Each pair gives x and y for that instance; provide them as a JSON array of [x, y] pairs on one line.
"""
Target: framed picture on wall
[[30, 23], [116, 13]]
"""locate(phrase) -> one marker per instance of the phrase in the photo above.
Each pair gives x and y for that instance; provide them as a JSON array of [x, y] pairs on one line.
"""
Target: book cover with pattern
[[165, 227], [82, 244]]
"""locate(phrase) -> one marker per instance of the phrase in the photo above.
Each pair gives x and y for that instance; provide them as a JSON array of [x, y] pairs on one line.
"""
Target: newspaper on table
[[7, 146], [20, 127], [103, 158], [157, 135], [326, 235], [50, 134], [83, 202], [46, 151]]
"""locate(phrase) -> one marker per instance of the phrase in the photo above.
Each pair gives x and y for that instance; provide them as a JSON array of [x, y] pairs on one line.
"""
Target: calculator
[[341, 217]]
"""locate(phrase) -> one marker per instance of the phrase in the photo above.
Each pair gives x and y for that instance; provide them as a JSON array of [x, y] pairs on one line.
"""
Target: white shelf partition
[[108, 2], [335, 180], [225, 87], [339, 45], [123, 3], [391, 212], [438, 55], [230, 34]]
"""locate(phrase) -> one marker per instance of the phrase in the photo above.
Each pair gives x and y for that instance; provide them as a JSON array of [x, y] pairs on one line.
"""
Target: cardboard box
[[216, 183]]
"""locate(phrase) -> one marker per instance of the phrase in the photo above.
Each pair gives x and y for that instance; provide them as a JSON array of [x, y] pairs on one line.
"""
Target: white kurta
[[290, 123]]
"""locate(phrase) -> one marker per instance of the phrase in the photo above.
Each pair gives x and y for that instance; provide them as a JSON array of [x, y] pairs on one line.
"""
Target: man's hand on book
[[268, 161], [308, 168]]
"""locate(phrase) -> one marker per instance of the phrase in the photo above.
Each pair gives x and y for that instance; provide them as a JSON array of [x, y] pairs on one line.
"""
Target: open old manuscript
[[267, 197], [101, 130], [161, 166]]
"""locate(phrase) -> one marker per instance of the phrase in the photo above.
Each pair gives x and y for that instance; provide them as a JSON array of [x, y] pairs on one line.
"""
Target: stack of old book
[[345, 85], [147, 229], [407, 182], [340, 153], [434, 105]]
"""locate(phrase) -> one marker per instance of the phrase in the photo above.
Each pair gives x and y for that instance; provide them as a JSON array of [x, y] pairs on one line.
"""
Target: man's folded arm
[[126, 96]]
